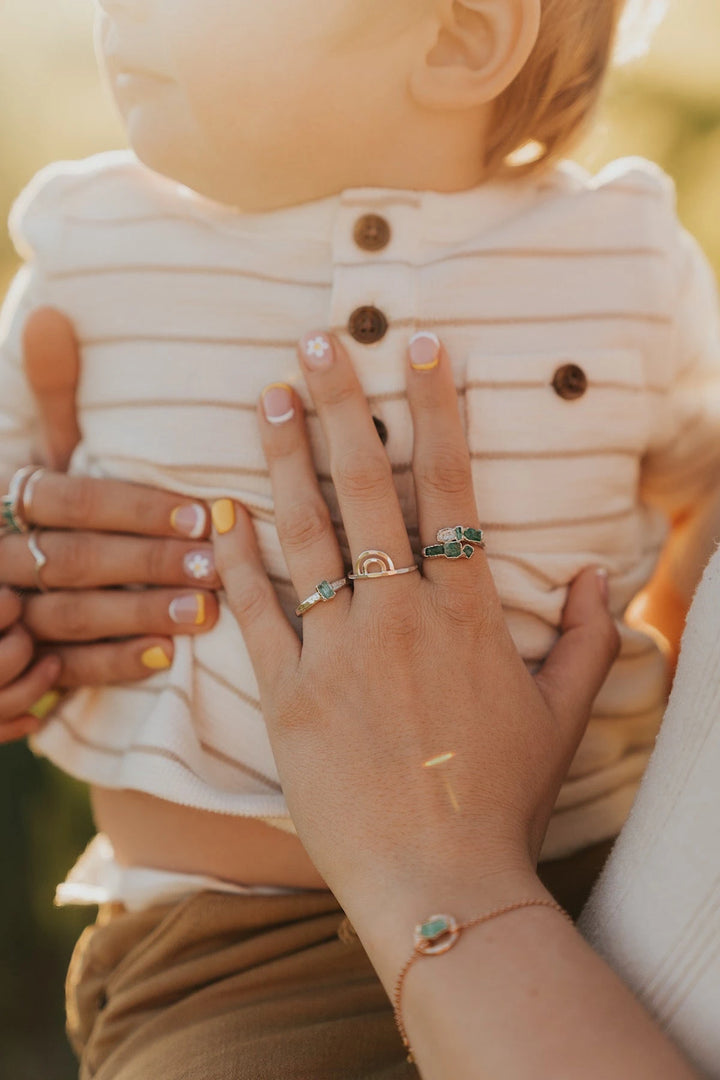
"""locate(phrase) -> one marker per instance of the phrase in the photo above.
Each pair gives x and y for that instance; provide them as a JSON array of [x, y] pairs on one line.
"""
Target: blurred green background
[[52, 105]]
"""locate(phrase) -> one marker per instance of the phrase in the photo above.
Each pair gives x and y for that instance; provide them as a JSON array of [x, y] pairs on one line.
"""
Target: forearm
[[522, 997]]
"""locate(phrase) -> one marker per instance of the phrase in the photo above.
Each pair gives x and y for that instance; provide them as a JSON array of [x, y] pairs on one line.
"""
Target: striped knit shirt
[[186, 309]]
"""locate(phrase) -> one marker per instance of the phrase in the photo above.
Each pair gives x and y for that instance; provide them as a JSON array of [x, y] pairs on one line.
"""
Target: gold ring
[[40, 558], [385, 567], [29, 492], [326, 590]]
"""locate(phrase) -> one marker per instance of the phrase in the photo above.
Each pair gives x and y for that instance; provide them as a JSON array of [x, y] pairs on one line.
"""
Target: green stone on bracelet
[[434, 929]]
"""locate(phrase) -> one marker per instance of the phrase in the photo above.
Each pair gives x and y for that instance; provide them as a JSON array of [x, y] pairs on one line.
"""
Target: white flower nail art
[[197, 565], [317, 347]]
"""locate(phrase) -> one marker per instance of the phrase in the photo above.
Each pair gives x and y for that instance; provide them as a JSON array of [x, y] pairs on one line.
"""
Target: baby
[[383, 168]]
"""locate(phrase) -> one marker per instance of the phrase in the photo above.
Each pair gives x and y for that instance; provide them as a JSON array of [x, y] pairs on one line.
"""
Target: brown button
[[570, 382], [368, 325], [381, 428], [372, 232]]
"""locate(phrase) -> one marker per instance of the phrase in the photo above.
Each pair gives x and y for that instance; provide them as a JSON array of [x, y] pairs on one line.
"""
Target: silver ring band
[[29, 492], [386, 567], [12, 519], [40, 558], [326, 590]]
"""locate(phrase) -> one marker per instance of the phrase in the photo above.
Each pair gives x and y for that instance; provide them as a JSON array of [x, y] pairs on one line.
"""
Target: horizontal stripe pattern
[[184, 312]]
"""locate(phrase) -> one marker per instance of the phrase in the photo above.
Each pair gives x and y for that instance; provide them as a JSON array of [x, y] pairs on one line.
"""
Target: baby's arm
[[681, 474]]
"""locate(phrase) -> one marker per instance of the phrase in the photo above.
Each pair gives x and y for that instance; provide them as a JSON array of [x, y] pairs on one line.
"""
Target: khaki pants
[[222, 987]]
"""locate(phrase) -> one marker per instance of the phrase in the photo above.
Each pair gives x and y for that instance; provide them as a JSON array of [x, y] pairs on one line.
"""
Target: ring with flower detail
[[326, 590], [455, 543], [380, 559]]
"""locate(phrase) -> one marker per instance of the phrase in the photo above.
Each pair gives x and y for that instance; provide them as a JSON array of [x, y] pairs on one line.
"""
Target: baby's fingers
[[271, 642]]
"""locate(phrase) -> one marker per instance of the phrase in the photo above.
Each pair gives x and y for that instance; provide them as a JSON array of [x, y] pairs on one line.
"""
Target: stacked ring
[[33, 543], [12, 517], [385, 567], [457, 542], [326, 590]]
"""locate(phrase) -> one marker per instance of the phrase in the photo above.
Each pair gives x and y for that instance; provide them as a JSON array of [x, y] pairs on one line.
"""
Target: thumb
[[52, 365], [577, 667]]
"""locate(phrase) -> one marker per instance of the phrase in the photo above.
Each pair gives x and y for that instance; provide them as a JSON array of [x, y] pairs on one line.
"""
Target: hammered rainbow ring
[[376, 564]]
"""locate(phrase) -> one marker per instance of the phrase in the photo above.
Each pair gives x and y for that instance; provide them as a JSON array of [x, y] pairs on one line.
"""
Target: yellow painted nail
[[155, 659], [424, 351], [223, 515], [42, 708], [200, 617]]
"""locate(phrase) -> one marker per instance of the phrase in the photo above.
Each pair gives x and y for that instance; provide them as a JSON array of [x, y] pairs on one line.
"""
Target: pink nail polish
[[278, 404], [188, 610], [199, 565], [189, 520], [317, 351]]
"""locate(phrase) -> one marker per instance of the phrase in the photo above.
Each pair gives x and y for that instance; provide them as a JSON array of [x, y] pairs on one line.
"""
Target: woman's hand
[[419, 758], [407, 729], [23, 681], [96, 535]]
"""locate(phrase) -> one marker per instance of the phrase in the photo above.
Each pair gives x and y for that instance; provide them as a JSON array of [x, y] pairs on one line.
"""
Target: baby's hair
[[554, 96]]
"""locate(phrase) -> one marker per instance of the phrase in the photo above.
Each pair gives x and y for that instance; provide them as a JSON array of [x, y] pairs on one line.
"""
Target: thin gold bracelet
[[437, 935]]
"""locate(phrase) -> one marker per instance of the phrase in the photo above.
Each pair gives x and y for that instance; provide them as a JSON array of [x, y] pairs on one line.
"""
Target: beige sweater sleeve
[[655, 913]]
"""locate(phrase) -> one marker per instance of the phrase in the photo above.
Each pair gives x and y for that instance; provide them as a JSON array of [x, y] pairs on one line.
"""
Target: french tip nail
[[278, 406], [155, 659], [189, 520], [188, 610], [223, 515], [424, 351]]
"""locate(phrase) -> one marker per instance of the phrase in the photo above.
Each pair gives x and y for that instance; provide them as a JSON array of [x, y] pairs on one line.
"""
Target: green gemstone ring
[[326, 590], [455, 543]]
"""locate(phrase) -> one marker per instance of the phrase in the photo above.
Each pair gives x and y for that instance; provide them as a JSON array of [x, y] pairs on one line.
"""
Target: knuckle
[[362, 473], [157, 560], [336, 394], [81, 502], [302, 525], [144, 505], [67, 618], [249, 601], [445, 471], [75, 559]]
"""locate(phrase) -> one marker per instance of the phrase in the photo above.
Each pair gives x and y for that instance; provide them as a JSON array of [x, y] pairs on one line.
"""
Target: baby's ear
[[479, 49]]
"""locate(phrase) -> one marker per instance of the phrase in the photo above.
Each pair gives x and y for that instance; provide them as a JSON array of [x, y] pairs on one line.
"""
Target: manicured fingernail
[[277, 402], [42, 708], [188, 610], [424, 349], [189, 520], [223, 515], [156, 659], [603, 581], [318, 351], [199, 565]]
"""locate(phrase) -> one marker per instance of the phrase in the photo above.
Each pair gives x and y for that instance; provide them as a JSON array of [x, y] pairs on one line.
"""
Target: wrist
[[385, 917]]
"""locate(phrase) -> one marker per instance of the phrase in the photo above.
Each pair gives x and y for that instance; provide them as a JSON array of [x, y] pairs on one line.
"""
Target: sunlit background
[[52, 106]]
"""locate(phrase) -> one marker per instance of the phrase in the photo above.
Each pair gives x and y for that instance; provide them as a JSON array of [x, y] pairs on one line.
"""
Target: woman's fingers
[[16, 700], [272, 644], [82, 560], [16, 652], [302, 518], [10, 608], [112, 662], [360, 468], [577, 667], [441, 460], [82, 502], [52, 365], [100, 615]]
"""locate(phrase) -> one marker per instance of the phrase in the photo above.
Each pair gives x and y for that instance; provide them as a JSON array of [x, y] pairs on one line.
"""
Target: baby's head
[[266, 103]]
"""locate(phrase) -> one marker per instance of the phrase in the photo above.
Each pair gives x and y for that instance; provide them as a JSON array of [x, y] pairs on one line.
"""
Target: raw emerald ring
[[455, 543], [326, 590]]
